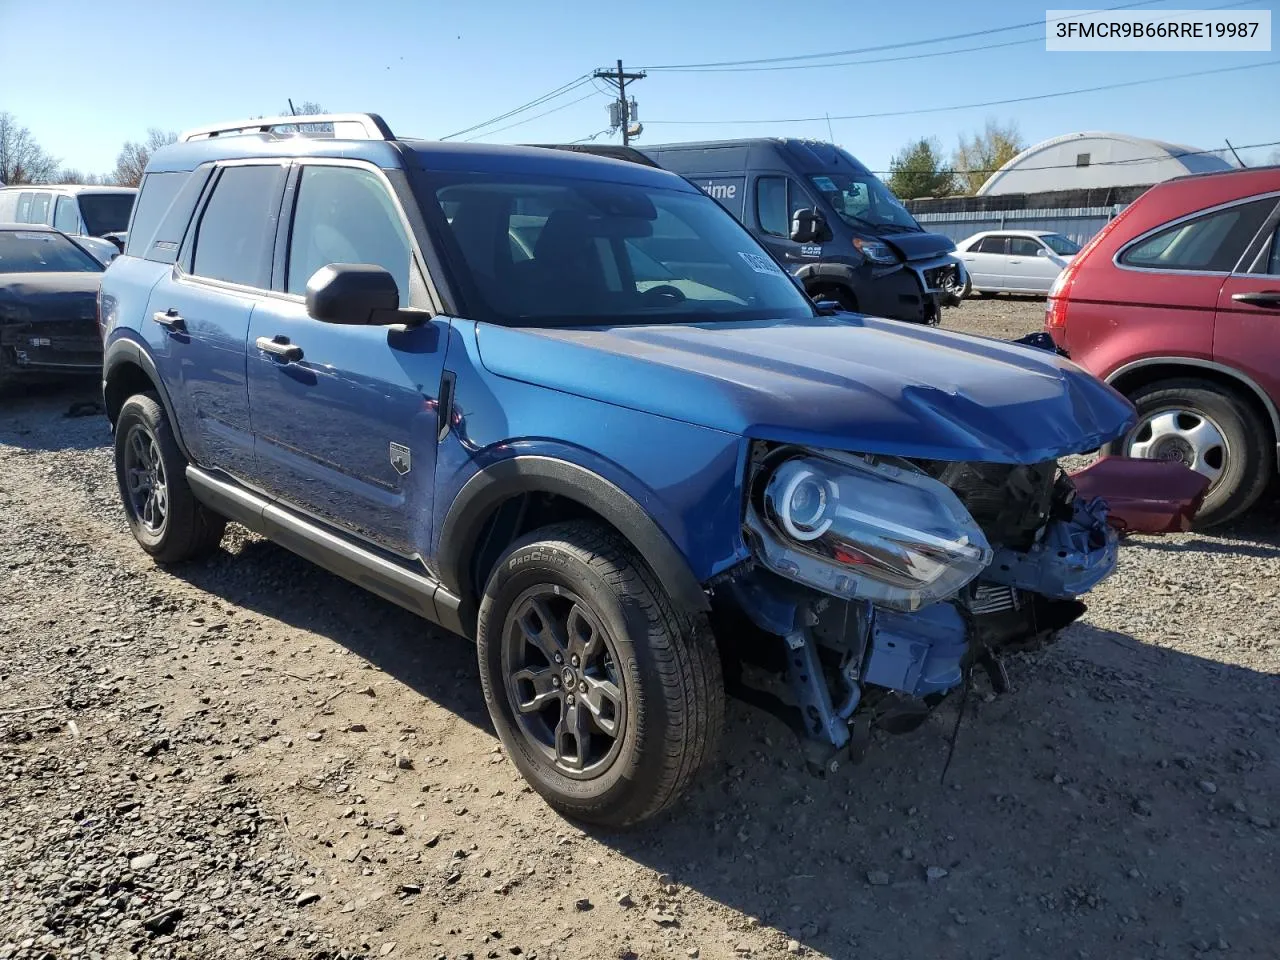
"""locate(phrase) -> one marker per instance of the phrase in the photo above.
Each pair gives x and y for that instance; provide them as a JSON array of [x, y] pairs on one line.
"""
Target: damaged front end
[[889, 580]]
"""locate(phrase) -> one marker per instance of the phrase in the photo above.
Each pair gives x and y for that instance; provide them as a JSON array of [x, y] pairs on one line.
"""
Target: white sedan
[[1014, 261]]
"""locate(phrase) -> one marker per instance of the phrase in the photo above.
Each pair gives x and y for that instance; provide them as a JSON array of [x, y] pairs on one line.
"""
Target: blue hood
[[851, 383]]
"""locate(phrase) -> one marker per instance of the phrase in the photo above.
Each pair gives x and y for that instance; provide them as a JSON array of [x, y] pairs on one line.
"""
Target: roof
[[1147, 161], [425, 154], [72, 188], [1012, 233]]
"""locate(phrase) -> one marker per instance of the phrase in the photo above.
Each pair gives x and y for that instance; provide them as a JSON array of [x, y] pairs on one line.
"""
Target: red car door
[[1246, 333]]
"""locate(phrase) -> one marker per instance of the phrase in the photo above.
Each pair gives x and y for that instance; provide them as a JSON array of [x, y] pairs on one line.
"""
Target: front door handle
[[1260, 298], [280, 347], [170, 319]]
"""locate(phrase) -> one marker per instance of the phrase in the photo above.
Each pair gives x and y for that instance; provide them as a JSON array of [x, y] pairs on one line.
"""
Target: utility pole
[[622, 112]]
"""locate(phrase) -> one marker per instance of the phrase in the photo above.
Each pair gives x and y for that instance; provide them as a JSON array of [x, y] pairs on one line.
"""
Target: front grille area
[[1010, 502], [941, 278]]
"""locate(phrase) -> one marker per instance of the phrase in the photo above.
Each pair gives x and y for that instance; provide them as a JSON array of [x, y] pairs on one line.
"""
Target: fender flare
[[123, 351], [540, 474]]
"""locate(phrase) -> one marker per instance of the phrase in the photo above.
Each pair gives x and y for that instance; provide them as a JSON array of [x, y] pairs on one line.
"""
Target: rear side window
[[1212, 242], [65, 217], [234, 239], [24, 208], [991, 245], [39, 212], [157, 193]]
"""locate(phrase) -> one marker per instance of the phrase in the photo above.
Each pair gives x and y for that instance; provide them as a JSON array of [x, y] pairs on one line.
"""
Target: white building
[[1092, 160]]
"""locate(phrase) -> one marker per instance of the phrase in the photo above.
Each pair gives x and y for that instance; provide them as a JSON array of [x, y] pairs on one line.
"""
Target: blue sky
[[104, 72]]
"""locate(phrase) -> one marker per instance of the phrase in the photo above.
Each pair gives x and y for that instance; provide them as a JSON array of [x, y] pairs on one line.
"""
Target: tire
[[163, 514], [666, 706], [1245, 460], [967, 290]]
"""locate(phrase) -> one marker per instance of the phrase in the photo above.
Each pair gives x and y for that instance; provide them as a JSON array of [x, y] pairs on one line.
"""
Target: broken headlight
[[869, 531]]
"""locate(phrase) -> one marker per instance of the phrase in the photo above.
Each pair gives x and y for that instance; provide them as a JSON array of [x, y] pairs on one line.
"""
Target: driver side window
[[345, 215]]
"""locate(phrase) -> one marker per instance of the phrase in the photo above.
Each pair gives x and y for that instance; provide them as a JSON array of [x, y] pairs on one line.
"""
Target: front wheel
[[1209, 429], [607, 699], [165, 517]]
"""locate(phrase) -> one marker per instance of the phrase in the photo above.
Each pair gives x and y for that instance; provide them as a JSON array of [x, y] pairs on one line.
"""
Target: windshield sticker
[[826, 184], [761, 264], [32, 235]]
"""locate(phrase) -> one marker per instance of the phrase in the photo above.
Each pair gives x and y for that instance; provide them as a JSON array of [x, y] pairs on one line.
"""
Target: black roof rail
[[600, 150], [345, 126]]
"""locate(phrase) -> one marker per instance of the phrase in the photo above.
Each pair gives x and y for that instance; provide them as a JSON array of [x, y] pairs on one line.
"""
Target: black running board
[[414, 591]]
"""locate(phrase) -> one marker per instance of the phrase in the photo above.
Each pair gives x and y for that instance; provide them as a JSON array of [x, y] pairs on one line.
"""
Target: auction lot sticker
[[1132, 30]]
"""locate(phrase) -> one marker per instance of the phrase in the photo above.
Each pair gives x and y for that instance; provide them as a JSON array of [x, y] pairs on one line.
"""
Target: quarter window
[[234, 239], [1213, 242], [345, 215]]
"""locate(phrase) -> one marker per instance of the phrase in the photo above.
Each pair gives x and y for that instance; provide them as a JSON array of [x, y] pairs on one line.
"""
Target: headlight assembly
[[870, 531]]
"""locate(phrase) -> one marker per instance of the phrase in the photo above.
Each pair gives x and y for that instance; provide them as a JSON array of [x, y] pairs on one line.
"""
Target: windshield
[[31, 251], [1060, 244], [534, 250], [105, 212], [863, 201]]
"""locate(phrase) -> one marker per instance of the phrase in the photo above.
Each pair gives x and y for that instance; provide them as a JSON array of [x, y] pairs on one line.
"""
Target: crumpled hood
[[49, 296], [852, 383], [919, 246]]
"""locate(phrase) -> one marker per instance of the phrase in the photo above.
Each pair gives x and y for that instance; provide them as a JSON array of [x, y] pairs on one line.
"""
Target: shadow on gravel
[[270, 580], [1122, 798], [1256, 534], [66, 415]]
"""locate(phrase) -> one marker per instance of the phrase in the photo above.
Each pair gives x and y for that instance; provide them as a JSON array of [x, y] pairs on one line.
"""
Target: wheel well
[[1140, 377], [842, 291], [125, 380], [511, 519]]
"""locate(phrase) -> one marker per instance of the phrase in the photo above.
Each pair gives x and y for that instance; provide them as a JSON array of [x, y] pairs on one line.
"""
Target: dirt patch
[[250, 757]]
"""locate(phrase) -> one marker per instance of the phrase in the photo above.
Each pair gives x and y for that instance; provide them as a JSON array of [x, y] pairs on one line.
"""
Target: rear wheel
[[606, 698], [163, 514], [1209, 429]]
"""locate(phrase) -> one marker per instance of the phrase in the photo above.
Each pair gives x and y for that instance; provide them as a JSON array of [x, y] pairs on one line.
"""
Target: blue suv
[[569, 407]]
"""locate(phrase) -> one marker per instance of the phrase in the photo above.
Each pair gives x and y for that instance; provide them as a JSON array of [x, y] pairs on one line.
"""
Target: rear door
[[985, 262], [1246, 333], [346, 430], [198, 316]]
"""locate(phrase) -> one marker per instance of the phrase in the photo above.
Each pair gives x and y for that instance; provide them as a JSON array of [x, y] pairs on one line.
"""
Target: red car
[[1176, 303]]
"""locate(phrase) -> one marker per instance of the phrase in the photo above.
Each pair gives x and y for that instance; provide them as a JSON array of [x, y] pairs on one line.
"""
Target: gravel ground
[[250, 757]]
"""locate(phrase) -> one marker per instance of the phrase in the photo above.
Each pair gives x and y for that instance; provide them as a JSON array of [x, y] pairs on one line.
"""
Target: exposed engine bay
[[889, 581]]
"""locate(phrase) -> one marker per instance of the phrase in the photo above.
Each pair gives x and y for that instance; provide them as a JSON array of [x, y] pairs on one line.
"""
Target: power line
[[557, 92], [891, 46], [536, 116], [971, 106], [901, 58]]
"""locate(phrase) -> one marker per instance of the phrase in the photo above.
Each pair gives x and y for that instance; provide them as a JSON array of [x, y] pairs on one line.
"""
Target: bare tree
[[22, 160], [981, 155], [72, 175], [133, 157], [308, 108]]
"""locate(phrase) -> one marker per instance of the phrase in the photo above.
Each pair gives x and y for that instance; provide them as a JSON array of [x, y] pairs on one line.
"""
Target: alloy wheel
[[145, 479]]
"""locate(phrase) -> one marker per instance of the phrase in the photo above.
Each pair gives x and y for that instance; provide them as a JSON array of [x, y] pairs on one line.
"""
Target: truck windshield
[[549, 251], [863, 201], [105, 212]]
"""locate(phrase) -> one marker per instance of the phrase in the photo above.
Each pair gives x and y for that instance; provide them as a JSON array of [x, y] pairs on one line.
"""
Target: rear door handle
[[1260, 298], [280, 347], [170, 319]]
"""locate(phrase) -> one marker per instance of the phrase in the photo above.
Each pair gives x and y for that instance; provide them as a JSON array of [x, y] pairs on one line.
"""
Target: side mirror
[[809, 226], [353, 293], [1041, 252]]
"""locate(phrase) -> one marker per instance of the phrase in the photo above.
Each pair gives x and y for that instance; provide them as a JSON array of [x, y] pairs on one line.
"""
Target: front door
[[1029, 265], [1246, 333], [198, 315], [345, 423], [777, 200]]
